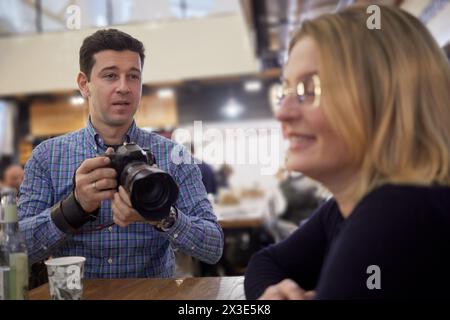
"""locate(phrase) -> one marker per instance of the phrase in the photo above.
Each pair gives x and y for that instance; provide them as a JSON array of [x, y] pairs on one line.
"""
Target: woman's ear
[[83, 85]]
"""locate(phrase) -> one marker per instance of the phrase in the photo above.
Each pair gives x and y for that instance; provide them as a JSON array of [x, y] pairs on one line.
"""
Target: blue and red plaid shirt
[[138, 250]]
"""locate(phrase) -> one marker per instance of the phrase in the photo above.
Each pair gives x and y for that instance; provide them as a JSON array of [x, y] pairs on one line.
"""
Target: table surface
[[249, 213], [204, 288], [244, 222]]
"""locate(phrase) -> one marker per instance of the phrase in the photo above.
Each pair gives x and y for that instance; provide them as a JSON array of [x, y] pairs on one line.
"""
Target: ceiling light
[[232, 109], [252, 86], [165, 93], [76, 100]]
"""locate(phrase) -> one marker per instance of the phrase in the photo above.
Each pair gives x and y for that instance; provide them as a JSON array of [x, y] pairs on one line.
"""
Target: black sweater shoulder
[[401, 230]]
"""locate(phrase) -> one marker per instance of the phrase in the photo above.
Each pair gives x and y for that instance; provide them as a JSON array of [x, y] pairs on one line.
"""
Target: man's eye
[[135, 77], [109, 76]]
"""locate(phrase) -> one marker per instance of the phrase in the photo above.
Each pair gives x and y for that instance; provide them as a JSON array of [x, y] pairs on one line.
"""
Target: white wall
[[175, 50]]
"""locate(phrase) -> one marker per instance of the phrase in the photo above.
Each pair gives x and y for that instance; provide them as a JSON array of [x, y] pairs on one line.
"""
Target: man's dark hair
[[109, 39]]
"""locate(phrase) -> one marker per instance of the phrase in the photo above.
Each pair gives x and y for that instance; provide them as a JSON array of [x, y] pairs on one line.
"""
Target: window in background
[[7, 120], [16, 17]]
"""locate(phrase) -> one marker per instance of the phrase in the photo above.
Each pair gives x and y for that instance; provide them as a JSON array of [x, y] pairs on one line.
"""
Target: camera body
[[128, 153], [152, 191]]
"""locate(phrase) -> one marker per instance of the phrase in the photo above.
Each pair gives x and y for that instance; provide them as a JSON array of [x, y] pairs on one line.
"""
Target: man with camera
[[110, 191]]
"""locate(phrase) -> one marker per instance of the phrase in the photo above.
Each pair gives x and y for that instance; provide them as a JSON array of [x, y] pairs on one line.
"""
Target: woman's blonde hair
[[386, 93]]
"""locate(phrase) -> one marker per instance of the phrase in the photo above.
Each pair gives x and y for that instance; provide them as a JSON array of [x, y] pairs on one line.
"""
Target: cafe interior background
[[209, 78]]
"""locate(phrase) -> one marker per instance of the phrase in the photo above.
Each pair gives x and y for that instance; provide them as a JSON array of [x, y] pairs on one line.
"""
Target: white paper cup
[[65, 277]]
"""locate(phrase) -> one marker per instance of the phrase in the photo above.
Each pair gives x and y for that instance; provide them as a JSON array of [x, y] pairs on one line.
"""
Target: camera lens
[[152, 190], [148, 196]]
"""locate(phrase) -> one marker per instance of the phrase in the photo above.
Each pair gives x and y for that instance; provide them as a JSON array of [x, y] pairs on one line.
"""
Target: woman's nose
[[288, 109]]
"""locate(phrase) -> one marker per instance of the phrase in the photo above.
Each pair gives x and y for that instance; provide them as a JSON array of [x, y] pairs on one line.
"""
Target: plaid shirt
[[138, 250]]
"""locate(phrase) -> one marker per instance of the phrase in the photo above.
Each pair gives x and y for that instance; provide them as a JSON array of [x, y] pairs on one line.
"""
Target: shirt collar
[[97, 141]]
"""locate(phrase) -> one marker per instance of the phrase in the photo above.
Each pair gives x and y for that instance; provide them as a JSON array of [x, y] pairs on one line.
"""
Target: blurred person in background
[[223, 176], [208, 175], [69, 201], [166, 133], [301, 198], [13, 177], [301, 194], [367, 115]]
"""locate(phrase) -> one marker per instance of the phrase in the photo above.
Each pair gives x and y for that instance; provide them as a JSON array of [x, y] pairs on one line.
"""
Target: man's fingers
[[102, 173], [124, 196], [121, 206], [119, 222], [91, 164], [92, 182], [105, 184], [109, 150], [122, 214], [117, 218], [124, 211], [104, 195]]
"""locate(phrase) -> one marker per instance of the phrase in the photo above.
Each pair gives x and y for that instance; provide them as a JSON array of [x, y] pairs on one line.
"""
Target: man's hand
[[123, 212], [287, 290], [94, 182]]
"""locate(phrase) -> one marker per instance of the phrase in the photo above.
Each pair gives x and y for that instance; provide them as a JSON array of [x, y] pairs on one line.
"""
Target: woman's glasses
[[307, 91]]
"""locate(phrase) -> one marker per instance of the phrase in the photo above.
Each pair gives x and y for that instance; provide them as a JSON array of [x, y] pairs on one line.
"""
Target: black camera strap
[[68, 215]]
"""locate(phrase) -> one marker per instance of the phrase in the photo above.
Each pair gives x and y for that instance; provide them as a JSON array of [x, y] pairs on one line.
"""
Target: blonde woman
[[367, 113]]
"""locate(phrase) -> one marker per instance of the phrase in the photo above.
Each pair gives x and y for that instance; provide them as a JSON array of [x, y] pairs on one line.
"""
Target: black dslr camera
[[152, 191]]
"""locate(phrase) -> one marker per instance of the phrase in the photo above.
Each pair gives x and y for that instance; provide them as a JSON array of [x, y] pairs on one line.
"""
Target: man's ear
[[83, 84]]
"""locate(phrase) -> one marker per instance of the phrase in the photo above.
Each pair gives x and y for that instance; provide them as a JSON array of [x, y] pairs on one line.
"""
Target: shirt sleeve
[[35, 200], [196, 231], [299, 257]]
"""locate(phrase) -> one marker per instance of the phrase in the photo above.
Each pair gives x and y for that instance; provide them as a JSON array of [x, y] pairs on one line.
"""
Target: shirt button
[[110, 229], [175, 235], [193, 247], [109, 260]]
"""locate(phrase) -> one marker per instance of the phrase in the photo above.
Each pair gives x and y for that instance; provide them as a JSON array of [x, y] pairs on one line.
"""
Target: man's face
[[115, 87]]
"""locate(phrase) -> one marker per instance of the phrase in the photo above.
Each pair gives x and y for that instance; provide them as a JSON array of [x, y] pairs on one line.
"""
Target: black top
[[404, 230]]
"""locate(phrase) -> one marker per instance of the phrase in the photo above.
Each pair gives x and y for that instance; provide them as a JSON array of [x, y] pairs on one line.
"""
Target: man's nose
[[123, 86]]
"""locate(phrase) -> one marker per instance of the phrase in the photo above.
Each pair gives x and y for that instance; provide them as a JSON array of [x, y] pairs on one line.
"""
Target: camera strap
[[68, 215]]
